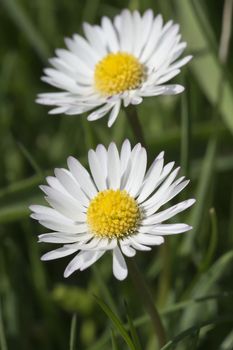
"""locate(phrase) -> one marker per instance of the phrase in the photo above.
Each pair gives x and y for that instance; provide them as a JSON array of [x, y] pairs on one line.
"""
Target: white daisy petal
[[43, 210], [114, 113], [127, 250], [178, 50], [61, 81], [137, 26], [143, 238], [138, 246], [175, 188], [71, 185], [85, 51], [112, 244], [166, 170], [58, 110], [120, 62], [100, 113], [180, 63], [82, 176], [110, 33], [146, 29], [90, 258], [168, 76], [58, 253], [126, 33], [168, 213], [95, 39], [125, 155], [152, 180], [169, 229], [90, 245], [153, 165], [61, 237], [162, 90], [101, 154], [153, 39], [120, 270], [56, 185], [64, 204], [58, 226], [129, 174], [52, 215], [102, 244], [151, 90], [165, 45], [113, 167], [173, 89], [116, 212], [75, 263], [136, 100], [163, 188], [135, 185], [96, 171], [72, 71], [117, 22], [73, 60]]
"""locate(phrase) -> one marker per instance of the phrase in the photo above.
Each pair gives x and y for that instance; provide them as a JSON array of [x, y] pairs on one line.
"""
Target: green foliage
[[191, 275]]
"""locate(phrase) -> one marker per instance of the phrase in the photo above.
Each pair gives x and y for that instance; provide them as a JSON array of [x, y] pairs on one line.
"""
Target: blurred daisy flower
[[120, 61], [116, 208]]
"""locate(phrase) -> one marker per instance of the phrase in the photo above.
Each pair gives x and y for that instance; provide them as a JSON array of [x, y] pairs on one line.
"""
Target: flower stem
[[185, 135], [3, 343], [132, 116], [146, 297], [73, 332]]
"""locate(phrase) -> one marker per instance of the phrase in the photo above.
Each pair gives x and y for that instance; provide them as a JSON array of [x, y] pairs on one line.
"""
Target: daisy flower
[[115, 207], [119, 62]]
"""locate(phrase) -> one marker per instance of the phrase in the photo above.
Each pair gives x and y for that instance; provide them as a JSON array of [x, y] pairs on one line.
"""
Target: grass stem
[[73, 332], [132, 116], [146, 297]]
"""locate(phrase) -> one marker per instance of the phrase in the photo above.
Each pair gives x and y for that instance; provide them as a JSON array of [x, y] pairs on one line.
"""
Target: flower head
[[120, 61], [116, 208]]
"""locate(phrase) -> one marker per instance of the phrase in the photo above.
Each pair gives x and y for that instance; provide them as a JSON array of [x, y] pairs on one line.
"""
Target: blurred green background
[[191, 275]]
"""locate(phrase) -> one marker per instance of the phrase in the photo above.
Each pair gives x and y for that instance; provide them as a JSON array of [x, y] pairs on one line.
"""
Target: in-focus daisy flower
[[116, 208], [120, 61]]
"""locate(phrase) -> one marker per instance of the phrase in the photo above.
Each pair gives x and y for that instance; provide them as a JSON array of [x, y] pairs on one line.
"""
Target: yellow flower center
[[118, 72], [113, 214]]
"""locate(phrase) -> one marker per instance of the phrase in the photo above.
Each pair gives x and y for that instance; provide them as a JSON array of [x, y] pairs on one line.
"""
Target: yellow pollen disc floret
[[118, 72], [113, 214]]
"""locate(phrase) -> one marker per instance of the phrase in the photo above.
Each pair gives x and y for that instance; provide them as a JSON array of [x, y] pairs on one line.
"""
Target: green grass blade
[[101, 341], [17, 211], [104, 289], [26, 25], [114, 342], [117, 323], [20, 187], [193, 330], [203, 284], [174, 308], [132, 329], [212, 243], [3, 343], [31, 160], [201, 195], [207, 69], [227, 343]]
